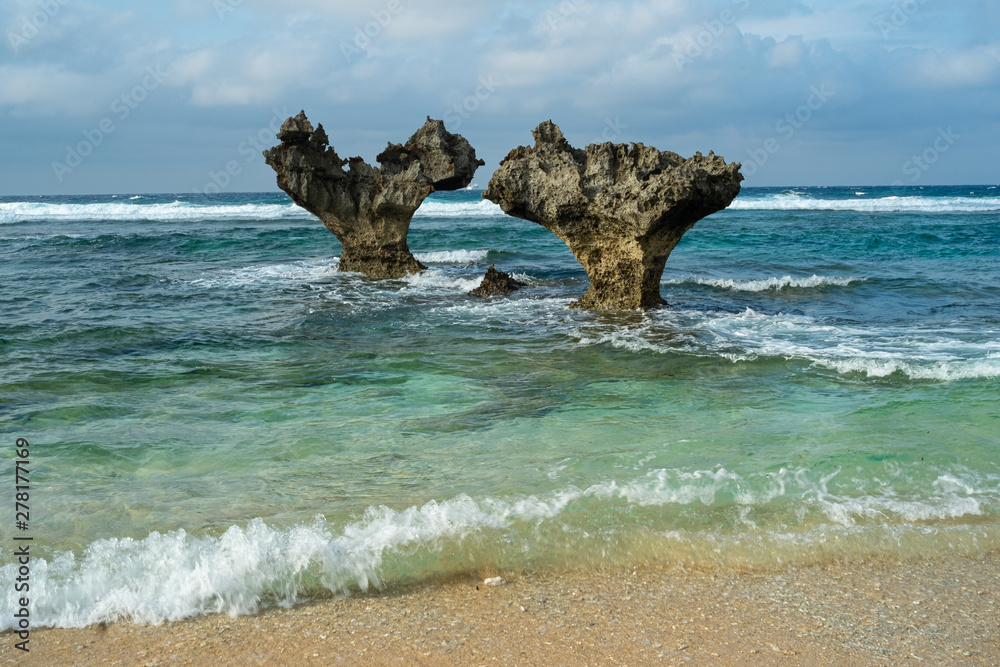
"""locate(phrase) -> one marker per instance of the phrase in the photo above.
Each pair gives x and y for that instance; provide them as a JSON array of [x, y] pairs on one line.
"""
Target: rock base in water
[[496, 283]]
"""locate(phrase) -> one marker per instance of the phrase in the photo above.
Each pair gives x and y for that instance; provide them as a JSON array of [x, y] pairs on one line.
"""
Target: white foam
[[176, 211], [672, 487], [441, 209], [168, 577], [323, 270], [304, 271], [948, 498], [452, 256], [768, 284], [439, 280], [133, 209], [938, 353], [941, 370], [174, 576], [798, 202], [525, 278]]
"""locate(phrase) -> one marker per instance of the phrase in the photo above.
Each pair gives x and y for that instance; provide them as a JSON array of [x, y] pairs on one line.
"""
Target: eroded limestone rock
[[620, 208], [496, 283], [369, 209]]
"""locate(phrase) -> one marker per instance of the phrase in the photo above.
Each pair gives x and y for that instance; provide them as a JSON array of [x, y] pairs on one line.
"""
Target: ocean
[[220, 421]]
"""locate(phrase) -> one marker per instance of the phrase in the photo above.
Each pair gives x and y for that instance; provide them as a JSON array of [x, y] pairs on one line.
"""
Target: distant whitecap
[[768, 284], [798, 202]]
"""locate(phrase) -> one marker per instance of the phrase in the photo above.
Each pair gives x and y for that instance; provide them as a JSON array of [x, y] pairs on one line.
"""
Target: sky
[[107, 96]]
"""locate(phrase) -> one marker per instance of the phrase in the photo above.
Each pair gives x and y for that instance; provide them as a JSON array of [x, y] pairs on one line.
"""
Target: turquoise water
[[219, 419]]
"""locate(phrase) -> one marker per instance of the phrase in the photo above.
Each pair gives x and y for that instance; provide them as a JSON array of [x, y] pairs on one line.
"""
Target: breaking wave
[[177, 211], [797, 202], [439, 209], [767, 284], [184, 211], [452, 256], [171, 576], [942, 354]]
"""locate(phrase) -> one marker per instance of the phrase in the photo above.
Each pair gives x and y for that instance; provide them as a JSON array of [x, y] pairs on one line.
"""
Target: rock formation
[[369, 209], [620, 208], [496, 283]]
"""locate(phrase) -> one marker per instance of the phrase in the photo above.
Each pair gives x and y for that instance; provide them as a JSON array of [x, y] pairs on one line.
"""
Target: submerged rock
[[496, 283], [620, 208], [369, 209]]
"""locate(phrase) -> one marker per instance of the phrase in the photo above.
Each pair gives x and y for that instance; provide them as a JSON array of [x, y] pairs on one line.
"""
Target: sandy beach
[[931, 612]]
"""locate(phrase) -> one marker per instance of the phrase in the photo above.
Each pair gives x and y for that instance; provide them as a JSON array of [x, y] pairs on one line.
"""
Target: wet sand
[[932, 612]]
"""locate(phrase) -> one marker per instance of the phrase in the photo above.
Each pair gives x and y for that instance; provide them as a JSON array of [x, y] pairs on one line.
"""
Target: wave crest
[[439, 209], [172, 576], [797, 202], [177, 211], [181, 211], [920, 354], [768, 284], [452, 256]]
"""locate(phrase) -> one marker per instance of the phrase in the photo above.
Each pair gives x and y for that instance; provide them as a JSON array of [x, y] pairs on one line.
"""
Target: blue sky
[[181, 96]]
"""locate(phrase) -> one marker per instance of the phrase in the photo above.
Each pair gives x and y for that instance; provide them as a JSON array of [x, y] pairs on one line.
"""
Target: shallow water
[[218, 416]]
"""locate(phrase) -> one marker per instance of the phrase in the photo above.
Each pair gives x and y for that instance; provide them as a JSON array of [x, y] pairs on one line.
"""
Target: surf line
[[22, 517]]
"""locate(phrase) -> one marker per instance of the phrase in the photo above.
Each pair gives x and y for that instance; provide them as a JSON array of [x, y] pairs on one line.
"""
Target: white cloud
[[672, 70], [788, 53], [44, 90], [957, 69]]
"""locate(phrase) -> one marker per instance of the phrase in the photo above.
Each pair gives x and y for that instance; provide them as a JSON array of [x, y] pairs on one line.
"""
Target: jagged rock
[[369, 209], [620, 208], [496, 283]]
